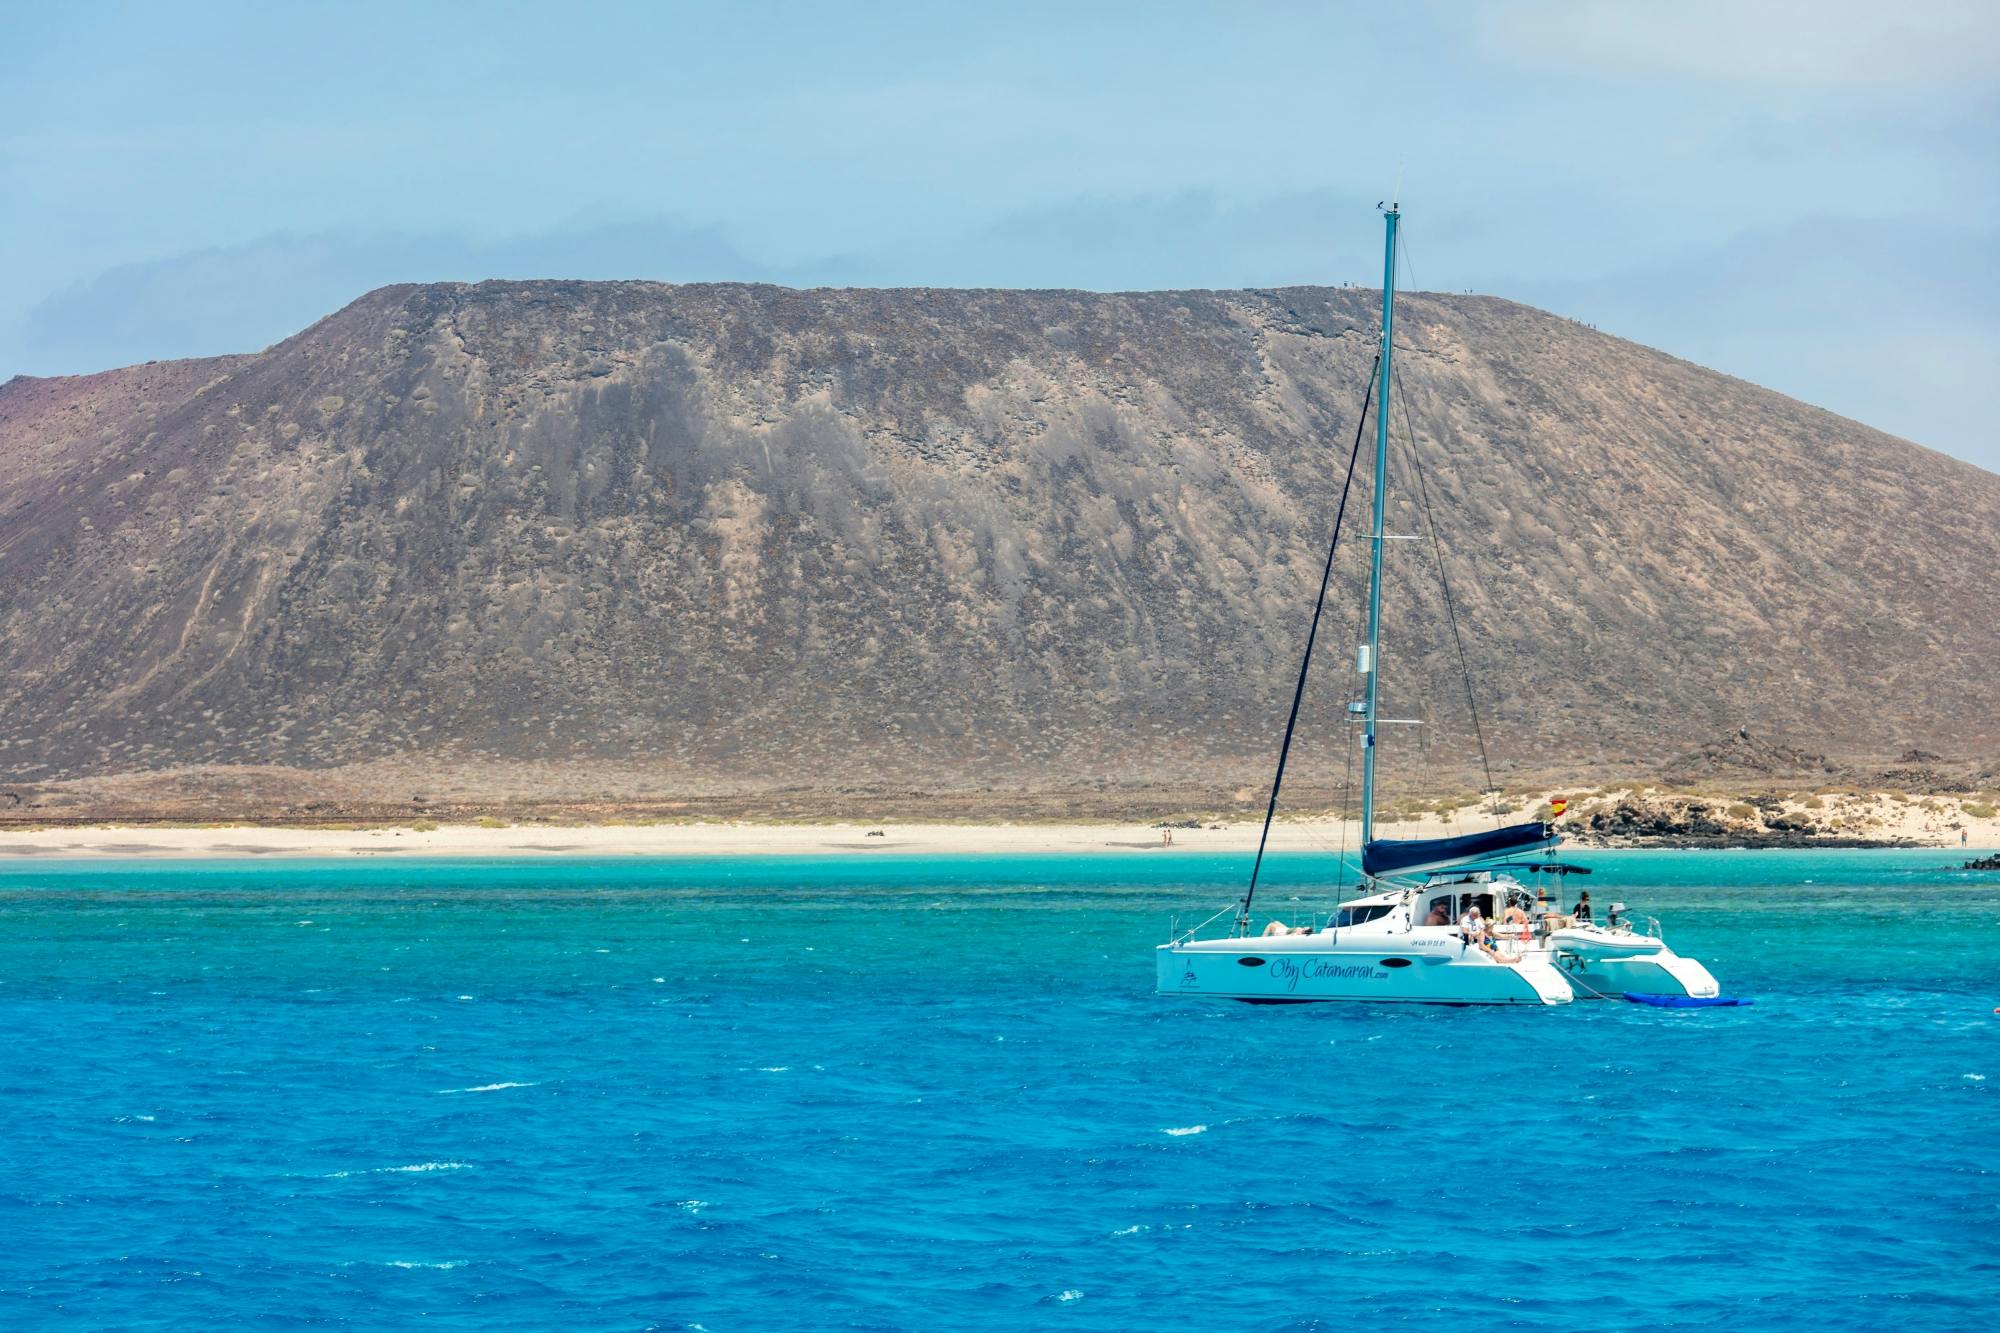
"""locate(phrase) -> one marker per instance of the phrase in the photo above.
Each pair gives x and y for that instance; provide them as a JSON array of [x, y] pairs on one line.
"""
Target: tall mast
[[1372, 654]]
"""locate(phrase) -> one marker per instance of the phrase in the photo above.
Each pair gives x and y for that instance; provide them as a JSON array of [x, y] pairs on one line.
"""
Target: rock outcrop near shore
[[711, 538]]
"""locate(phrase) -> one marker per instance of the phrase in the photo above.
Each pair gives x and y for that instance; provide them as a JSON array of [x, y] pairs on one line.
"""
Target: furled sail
[[1386, 856]]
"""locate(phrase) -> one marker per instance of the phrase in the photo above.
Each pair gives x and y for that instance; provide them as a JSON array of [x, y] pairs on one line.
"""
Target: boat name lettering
[[1292, 971]]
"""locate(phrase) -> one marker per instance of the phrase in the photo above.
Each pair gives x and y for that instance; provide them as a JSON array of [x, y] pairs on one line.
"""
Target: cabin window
[[1483, 901], [1354, 916]]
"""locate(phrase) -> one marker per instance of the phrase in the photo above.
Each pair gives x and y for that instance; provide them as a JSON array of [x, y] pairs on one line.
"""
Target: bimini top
[[1385, 856]]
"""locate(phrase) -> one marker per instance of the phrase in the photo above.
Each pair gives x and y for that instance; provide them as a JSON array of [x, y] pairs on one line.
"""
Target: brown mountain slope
[[710, 537]]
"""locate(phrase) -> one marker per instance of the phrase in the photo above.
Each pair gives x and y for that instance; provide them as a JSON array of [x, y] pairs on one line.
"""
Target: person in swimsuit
[[1582, 910]]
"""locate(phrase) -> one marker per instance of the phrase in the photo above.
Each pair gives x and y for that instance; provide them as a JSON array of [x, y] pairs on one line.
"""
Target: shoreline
[[744, 838]]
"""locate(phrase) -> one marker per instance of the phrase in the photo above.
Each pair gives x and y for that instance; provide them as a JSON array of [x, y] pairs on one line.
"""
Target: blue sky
[[1801, 194]]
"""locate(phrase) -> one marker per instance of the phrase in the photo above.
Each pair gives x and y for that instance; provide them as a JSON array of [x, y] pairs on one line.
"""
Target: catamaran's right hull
[[1661, 973], [1278, 971]]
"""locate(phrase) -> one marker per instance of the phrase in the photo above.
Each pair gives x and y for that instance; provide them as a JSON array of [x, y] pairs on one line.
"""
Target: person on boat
[[1437, 916], [1581, 912], [1471, 925], [1514, 927]]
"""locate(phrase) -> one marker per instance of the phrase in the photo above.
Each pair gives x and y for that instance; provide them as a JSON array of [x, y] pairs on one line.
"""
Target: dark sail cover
[[1389, 857]]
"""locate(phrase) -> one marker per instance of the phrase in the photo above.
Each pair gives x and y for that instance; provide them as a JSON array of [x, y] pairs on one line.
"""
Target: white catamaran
[[1409, 938]]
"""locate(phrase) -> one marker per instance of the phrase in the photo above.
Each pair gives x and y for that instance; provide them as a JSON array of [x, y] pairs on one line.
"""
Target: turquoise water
[[921, 1093]]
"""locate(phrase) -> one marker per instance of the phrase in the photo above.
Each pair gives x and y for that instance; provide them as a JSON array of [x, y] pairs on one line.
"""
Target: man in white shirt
[[1471, 925]]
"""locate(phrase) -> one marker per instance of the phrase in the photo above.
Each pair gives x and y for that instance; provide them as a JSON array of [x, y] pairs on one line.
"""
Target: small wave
[[149, 1119], [465, 997], [1186, 1130], [772, 1069], [406, 1263], [413, 1168], [1975, 1078], [1066, 1297], [489, 1087], [1128, 1231], [691, 1205]]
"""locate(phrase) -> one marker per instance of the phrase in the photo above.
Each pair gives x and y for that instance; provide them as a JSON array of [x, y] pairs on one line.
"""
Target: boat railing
[[1175, 935]]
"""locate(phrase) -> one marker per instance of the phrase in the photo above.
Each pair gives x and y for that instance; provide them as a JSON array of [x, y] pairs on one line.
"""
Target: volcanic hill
[[636, 539]]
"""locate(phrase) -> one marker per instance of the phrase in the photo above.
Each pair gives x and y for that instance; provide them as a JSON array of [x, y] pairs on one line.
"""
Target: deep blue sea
[[923, 1093]]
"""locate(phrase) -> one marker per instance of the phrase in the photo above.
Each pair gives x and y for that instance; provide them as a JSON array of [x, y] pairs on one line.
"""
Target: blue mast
[[1371, 655]]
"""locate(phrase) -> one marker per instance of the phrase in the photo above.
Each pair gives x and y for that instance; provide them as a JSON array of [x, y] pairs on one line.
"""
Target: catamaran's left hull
[[1276, 972]]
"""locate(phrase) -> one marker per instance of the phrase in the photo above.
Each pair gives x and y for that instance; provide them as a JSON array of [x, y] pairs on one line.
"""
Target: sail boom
[[1390, 856]]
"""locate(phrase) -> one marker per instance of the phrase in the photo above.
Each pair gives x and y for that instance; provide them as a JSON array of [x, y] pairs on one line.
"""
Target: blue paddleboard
[[1685, 1001]]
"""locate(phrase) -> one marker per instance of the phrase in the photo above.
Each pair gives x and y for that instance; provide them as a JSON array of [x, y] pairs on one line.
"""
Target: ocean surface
[[925, 1093]]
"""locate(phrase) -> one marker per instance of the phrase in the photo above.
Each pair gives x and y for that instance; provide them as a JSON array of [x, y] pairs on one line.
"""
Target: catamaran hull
[[1661, 973], [1260, 974]]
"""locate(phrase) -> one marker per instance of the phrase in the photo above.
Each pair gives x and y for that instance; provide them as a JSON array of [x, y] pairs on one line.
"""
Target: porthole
[[1251, 962], [1395, 962]]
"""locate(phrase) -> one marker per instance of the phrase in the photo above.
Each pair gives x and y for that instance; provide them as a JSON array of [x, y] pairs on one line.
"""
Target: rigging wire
[[1305, 663], [1444, 581]]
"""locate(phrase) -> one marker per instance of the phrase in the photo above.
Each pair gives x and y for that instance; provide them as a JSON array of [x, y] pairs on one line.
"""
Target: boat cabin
[[1361, 910], [1452, 892]]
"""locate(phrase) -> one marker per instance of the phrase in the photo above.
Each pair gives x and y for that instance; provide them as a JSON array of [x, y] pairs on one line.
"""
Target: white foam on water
[[413, 1168], [691, 1205], [1065, 1297], [772, 1069], [489, 1087], [465, 997], [405, 1263], [1128, 1231], [1186, 1130], [1976, 1078], [659, 980]]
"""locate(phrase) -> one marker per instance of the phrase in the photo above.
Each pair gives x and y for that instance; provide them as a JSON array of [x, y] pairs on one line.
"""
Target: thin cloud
[[1831, 44]]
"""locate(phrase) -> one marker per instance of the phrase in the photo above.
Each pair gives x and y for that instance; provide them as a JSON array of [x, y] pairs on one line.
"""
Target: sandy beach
[[1927, 822]]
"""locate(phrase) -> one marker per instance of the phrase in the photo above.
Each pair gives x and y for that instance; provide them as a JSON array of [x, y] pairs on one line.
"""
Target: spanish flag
[[1556, 808]]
